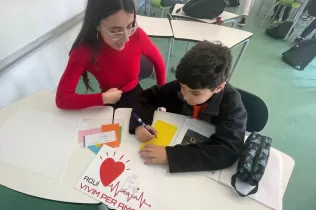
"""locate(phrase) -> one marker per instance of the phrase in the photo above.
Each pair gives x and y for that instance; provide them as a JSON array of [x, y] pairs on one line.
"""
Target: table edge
[[194, 40]]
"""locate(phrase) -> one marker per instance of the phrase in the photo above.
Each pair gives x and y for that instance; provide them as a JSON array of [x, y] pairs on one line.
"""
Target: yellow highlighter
[[165, 134]]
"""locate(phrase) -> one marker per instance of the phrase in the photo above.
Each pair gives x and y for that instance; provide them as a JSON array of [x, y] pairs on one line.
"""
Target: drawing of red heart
[[110, 170]]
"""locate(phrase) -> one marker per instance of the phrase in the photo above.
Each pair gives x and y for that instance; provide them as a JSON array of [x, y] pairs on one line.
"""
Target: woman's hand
[[111, 96]]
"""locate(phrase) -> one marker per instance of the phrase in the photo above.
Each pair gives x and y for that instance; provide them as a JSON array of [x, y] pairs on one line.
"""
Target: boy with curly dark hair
[[200, 91]]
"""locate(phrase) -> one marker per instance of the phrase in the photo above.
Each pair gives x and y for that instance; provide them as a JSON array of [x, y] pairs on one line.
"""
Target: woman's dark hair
[[206, 65], [97, 10]]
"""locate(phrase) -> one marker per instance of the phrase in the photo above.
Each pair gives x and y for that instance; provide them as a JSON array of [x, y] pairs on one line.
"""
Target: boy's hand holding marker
[[144, 135], [152, 154]]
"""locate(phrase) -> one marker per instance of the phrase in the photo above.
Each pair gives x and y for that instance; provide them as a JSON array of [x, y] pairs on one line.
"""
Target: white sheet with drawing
[[37, 141]]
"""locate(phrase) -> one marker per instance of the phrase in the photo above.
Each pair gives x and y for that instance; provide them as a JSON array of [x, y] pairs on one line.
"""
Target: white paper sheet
[[38, 142], [85, 124], [215, 175], [270, 186]]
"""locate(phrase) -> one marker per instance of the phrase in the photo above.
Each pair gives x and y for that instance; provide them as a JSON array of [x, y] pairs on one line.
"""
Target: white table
[[226, 17], [157, 27], [40, 186], [194, 190], [196, 31]]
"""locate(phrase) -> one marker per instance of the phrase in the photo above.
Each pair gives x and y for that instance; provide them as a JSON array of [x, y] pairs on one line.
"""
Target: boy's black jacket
[[225, 110]]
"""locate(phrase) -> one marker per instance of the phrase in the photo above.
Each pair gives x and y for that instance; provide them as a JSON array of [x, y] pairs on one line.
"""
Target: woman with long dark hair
[[109, 46]]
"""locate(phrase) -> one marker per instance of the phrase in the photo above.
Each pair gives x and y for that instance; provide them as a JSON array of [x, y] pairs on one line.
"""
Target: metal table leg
[[170, 41], [146, 12], [188, 46], [234, 22], [244, 46], [172, 47]]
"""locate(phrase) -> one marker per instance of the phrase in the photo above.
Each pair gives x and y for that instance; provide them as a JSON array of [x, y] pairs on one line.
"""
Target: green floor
[[290, 96]]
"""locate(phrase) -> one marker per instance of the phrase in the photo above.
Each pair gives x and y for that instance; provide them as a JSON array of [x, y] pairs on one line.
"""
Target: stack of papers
[[95, 138]]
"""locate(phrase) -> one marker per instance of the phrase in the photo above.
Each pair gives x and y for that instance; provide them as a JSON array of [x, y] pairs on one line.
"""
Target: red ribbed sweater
[[112, 69]]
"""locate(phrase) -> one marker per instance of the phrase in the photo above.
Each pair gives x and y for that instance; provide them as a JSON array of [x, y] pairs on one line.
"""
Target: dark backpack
[[207, 9], [300, 56], [170, 3], [279, 31], [312, 7], [232, 3]]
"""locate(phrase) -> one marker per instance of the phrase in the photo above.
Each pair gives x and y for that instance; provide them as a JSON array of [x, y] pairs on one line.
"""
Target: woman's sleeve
[[66, 96], [149, 50]]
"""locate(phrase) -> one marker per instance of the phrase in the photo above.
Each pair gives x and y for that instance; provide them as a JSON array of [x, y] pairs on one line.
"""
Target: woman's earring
[[97, 34]]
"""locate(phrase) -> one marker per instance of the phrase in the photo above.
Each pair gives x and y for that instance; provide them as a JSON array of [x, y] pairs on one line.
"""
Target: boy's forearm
[[200, 157]]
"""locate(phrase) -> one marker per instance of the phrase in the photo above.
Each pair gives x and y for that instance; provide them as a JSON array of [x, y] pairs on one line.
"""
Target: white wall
[[42, 69], [23, 21]]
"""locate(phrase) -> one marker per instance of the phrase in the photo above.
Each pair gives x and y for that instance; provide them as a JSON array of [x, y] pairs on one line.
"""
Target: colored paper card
[[96, 148], [83, 133], [110, 180], [100, 138], [165, 134], [115, 128]]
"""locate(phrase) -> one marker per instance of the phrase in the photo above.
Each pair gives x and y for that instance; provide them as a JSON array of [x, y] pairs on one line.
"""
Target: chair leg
[[162, 13], [280, 15], [262, 5], [149, 11], [268, 13]]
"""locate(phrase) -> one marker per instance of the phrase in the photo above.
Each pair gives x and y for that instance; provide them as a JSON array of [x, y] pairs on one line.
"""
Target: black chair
[[257, 111], [146, 68]]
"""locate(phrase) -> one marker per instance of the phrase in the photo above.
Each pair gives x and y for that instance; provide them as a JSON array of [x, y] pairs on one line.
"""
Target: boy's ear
[[220, 87]]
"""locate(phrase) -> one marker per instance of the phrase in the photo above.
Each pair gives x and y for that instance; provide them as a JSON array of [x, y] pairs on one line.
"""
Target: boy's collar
[[212, 104]]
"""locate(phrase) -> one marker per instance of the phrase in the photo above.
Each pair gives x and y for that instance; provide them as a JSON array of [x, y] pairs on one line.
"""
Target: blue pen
[[143, 124]]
